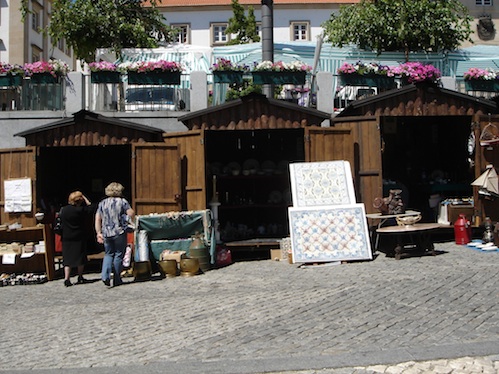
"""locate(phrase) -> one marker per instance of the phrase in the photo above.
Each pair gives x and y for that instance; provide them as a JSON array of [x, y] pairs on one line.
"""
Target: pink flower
[[480, 74], [147, 66], [53, 67], [417, 72], [102, 66]]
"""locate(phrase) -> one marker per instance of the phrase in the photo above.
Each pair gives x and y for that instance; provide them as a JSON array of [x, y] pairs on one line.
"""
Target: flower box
[[44, 78], [371, 80], [228, 76], [154, 77], [9, 80], [105, 77], [279, 77], [491, 85]]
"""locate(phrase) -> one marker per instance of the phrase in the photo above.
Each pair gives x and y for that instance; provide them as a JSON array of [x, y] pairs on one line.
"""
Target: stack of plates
[[478, 244]]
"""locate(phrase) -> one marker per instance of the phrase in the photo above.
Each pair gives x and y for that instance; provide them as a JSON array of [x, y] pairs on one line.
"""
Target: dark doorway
[[61, 170], [427, 157], [251, 171]]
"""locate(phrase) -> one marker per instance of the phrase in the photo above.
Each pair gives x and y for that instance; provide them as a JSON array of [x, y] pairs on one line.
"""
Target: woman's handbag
[[58, 223]]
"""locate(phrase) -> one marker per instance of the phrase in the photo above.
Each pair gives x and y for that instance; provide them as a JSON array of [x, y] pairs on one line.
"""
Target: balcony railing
[[124, 97], [33, 96], [121, 97]]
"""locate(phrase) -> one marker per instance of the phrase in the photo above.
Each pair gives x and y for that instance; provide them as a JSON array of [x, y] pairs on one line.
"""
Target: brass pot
[[168, 268], [189, 265], [142, 270]]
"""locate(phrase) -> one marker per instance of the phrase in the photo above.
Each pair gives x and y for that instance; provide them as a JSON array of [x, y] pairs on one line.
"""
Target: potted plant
[[224, 71], [153, 72], [267, 72], [104, 72], [10, 75], [417, 72], [366, 74], [46, 71], [476, 79]]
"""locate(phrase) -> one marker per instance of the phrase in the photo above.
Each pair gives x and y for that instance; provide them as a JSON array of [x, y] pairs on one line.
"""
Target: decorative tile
[[321, 183], [329, 233]]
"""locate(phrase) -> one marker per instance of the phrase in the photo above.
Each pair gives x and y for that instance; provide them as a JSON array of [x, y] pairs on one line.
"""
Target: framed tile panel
[[329, 233], [321, 183]]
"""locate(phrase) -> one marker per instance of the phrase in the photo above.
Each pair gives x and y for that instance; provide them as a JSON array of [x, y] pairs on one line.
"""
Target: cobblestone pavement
[[417, 315]]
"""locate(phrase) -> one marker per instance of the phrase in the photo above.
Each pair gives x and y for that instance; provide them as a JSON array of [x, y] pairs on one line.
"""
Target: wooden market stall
[[86, 152], [236, 156], [427, 143]]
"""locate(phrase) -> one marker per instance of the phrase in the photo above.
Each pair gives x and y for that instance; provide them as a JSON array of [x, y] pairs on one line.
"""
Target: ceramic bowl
[[408, 220]]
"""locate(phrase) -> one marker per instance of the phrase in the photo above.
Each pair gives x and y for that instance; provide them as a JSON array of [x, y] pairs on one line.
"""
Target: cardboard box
[[277, 255], [454, 210]]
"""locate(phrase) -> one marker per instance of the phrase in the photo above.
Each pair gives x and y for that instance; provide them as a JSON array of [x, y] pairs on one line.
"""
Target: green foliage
[[400, 25], [89, 25], [244, 27], [235, 91]]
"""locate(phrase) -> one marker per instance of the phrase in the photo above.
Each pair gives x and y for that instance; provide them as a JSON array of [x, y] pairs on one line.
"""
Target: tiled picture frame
[[329, 233], [321, 183]]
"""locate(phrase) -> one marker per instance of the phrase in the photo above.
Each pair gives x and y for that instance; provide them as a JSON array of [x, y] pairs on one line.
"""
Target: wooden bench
[[253, 249]]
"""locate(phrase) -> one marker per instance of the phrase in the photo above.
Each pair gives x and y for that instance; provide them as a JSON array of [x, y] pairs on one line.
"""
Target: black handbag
[[58, 223]]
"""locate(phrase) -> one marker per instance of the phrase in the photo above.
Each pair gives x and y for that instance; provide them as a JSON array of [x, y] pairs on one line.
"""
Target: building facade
[[23, 42], [203, 22]]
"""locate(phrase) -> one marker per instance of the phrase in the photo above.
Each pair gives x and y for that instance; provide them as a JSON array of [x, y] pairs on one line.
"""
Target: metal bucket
[[142, 270]]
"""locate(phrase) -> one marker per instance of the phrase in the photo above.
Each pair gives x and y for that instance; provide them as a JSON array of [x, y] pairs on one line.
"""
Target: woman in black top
[[74, 235]]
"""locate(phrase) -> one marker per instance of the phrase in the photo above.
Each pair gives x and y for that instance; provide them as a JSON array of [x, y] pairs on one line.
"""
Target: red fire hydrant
[[462, 230]]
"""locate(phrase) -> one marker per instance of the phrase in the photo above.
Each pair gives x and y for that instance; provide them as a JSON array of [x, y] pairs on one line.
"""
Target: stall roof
[[90, 128], [418, 100], [254, 111]]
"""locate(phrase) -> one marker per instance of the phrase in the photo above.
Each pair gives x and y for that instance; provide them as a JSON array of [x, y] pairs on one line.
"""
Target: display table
[[176, 230], [414, 238], [39, 262], [378, 220]]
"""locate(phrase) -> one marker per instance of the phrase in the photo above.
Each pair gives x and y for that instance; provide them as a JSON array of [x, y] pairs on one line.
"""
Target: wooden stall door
[[155, 178], [357, 141], [192, 153], [485, 156], [18, 163]]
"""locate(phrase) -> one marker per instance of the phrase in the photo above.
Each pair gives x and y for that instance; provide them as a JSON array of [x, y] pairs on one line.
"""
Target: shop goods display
[[392, 204], [199, 251], [168, 254], [488, 235], [325, 222], [142, 270], [479, 245], [329, 233], [168, 268], [408, 220], [142, 252], [174, 230], [321, 183], [22, 279], [189, 266], [462, 230]]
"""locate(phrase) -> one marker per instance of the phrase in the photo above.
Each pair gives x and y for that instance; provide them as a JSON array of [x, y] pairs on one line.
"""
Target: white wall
[[4, 31], [201, 20]]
